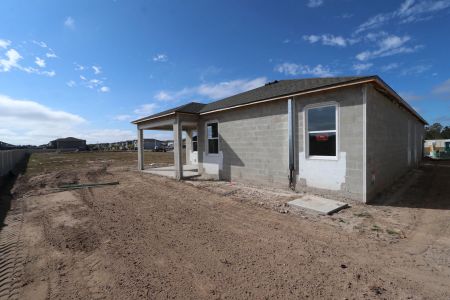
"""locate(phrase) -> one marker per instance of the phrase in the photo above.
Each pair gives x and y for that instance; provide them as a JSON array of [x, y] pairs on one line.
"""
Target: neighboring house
[[149, 144], [347, 137], [69, 143], [437, 146], [6, 146]]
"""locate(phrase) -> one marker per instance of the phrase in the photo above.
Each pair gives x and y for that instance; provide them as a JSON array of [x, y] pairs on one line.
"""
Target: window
[[322, 131], [194, 143], [212, 137]]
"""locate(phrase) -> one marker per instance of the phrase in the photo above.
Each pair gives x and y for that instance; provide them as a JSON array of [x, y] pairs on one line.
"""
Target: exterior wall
[[252, 145], [342, 177], [394, 142]]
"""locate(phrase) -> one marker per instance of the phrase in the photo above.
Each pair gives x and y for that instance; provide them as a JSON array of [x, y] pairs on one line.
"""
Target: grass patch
[[375, 228], [392, 232], [48, 162]]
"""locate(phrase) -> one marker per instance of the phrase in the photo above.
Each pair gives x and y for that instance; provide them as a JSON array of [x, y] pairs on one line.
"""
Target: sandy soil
[[154, 238]]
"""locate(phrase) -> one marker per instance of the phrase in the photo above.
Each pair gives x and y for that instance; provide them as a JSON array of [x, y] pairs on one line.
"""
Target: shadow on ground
[[427, 187], [6, 185]]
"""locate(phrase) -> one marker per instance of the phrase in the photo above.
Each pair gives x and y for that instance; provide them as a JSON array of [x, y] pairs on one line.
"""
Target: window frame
[[207, 139], [307, 132], [194, 142]]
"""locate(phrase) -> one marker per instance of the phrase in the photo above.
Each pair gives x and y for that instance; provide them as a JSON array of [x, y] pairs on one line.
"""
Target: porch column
[[140, 149], [188, 146], [178, 148]]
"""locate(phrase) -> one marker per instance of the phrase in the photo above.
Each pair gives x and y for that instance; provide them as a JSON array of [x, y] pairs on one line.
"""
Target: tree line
[[437, 131]]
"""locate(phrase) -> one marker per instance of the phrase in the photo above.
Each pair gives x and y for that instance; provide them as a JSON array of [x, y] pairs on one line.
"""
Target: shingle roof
[[271, 90], [277, 89], [67, 139], [190, 108]]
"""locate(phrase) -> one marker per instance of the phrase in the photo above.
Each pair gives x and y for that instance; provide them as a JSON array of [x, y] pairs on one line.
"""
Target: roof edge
[[367, 79]]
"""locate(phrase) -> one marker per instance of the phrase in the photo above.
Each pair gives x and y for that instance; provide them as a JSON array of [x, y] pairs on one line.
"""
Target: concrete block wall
[[341, 178], [9, 159], [253, 144], [394, 142]]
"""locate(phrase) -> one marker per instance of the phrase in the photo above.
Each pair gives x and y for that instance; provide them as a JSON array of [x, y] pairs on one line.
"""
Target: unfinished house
[[345, 137]]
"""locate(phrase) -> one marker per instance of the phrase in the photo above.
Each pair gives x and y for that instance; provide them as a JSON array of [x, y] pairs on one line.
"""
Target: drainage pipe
[[291, 132]]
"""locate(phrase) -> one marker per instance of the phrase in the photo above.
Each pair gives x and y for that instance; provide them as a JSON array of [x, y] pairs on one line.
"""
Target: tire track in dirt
[[11, 255]]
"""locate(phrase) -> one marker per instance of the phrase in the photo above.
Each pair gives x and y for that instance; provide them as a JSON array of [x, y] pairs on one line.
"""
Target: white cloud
[[312, 38], [212, 91], [4, 43], [30, 111], [11, 61], [388, 46], [314, 3], [409, 11], [50, 55], [69, 22], [160, 57], [389, 67], [328, 40], [29, 122], [107, 135], [79, 67], [97, 69], [104, 89], [298, 69], [48, 73], [123, 118], [415, 70], [163, 96], [40, 44], [71, 83], [359, 68], [443, 88], [146, 109], [40, 62], [228, 88]]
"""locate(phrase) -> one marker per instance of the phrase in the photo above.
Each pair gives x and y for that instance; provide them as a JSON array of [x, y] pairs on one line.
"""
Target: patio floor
[[188, 171]]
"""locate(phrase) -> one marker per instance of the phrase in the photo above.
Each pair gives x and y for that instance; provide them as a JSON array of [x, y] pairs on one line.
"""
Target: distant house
[[441, 145], [69, 143], [347, 137], [6, 146]]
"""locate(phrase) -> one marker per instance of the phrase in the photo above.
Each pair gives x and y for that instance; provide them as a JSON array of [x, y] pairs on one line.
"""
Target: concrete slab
[[188, 171], [318, 204]]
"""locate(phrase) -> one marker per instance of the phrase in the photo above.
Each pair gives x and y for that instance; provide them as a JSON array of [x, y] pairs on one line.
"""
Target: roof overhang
[[374, 80]]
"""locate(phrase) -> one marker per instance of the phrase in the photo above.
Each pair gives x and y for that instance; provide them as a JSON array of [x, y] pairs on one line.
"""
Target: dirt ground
[[154, 238]]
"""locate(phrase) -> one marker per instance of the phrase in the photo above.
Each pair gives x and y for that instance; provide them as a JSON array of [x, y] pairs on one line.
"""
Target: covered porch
[[176, 122]]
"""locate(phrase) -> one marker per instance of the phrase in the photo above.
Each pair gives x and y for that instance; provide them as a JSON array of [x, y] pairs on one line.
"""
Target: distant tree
[[445, 133], [433, 132]]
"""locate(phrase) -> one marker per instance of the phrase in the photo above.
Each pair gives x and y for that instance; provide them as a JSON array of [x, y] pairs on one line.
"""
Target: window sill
[[212, 154], [317, 157]]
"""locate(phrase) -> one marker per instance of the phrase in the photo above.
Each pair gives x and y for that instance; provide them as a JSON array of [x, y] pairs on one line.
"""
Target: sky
[[87, 68]]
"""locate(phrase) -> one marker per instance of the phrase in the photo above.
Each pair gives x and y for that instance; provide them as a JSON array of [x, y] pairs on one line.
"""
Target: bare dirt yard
[[151, 237]]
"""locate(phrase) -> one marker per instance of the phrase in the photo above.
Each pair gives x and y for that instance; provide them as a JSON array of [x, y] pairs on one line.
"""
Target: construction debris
[[84, 185]]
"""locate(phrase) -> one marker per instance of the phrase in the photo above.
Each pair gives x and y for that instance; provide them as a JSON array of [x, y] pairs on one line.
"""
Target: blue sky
[[87, 68]]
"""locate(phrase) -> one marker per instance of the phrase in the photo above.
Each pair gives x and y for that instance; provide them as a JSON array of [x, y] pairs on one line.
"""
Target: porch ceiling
[[167, 122]]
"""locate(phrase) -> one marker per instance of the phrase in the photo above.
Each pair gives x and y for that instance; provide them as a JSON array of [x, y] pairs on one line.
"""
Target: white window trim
[[306, 136], [192, 142], [206, 138]]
